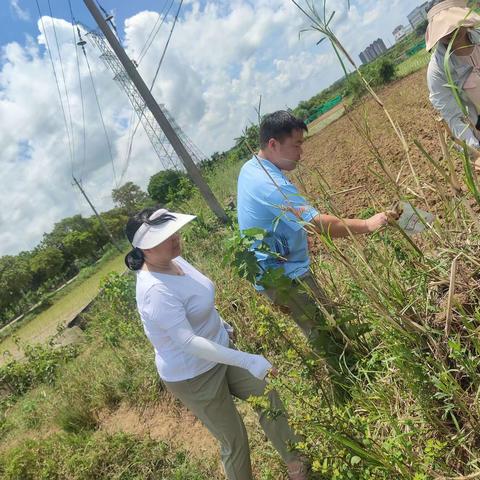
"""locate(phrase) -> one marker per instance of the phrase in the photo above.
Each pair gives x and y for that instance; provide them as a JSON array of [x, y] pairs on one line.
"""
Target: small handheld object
[[413, 221]]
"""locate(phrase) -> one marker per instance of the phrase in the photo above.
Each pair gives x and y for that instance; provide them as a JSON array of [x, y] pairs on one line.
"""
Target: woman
[[177, 307], [452, 19]]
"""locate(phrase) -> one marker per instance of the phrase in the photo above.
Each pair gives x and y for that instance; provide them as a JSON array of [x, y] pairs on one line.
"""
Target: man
[[268, 200]]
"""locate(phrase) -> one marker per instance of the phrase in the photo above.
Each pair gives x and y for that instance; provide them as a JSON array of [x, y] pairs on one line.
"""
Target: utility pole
[[177, 145], [100, 219]]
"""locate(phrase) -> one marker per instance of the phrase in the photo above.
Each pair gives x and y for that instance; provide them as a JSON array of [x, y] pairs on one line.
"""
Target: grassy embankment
[[38, 327]]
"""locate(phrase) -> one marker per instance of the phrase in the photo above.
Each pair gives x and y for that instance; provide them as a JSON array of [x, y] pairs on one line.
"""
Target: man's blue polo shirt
[[265, 200]]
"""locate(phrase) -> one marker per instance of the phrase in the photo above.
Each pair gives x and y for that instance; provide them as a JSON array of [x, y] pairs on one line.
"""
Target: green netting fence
[[416, 48], [325, 107]]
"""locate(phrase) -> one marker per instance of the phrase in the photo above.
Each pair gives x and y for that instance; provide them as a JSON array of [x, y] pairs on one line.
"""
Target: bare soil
[[167, 422], [346, 161]]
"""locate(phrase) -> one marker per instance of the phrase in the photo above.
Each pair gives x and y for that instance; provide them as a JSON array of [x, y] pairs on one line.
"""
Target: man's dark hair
[[279, 125]]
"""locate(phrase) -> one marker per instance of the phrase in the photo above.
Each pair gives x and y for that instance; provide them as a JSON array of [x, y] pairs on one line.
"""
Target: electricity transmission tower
[[171, 144]]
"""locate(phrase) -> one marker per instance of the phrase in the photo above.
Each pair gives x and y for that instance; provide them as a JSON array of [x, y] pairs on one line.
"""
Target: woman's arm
[[184, 337]]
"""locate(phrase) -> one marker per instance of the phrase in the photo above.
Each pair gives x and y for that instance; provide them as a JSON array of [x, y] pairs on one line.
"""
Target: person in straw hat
[[451, 22], [194, 355]]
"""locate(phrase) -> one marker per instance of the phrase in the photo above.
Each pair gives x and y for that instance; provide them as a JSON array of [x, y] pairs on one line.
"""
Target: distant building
[[379, 46], [432, 3], [418, 15], [399, 33], [374, 50]]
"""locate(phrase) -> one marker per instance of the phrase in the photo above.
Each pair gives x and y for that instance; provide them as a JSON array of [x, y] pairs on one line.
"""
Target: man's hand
[[378, 220]]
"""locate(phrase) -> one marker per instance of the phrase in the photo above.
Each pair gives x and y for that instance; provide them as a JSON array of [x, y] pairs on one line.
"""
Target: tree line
[[77, 242]]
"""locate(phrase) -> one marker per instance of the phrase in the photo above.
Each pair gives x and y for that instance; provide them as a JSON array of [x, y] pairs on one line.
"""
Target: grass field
[[65, 307], [409, 66], [326, 119], [414, 63]]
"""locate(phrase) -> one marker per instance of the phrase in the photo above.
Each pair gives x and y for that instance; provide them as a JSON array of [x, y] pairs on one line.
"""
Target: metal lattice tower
[[195, 152], [163, 148]]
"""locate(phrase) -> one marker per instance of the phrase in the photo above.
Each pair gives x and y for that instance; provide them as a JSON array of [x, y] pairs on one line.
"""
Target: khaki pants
[[209, 397], [300, 303]]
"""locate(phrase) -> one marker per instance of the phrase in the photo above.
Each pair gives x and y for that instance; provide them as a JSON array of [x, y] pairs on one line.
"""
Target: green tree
[[46, 262], [355, 87], [248, 141], [15, 278], [421, 28], [56, 237], [115, 219], [129, 197], [80, 245], [302, 113], [168, 186]]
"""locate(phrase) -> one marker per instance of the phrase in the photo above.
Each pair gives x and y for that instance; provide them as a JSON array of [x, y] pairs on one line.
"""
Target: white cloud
[[21, 13], [222, 57]]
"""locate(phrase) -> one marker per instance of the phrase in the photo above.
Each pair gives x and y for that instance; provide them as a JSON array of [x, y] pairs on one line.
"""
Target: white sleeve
[[444, 102], [183, 335]]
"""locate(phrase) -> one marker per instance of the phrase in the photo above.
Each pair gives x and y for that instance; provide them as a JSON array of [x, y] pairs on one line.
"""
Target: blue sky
[[14, 28], [223, 55]]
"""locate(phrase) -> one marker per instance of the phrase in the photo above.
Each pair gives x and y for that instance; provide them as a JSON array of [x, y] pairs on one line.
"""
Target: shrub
[[385, 71], [95, 457], [41, 365]]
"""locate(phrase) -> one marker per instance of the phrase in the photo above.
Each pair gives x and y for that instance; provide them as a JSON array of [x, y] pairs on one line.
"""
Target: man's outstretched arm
[[342, 227]]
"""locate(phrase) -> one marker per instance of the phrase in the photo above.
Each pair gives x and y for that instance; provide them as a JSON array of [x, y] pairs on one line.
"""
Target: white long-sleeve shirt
[[180, 320], [442, 97]]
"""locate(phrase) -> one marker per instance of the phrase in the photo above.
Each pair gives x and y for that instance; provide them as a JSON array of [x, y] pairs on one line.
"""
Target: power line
[[146, 46], [166, 45], [101, 116], [130, 145], [64, 80], [139, 94], [108, 18], [58, 86], [150, 41], [76, 45]]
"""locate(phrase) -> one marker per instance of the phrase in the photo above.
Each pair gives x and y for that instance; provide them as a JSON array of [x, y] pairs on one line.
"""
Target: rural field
[[64, 309], [408, 307], [345, 160]]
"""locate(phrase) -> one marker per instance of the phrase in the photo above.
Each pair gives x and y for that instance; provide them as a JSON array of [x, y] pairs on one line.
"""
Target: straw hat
[[446, 17]]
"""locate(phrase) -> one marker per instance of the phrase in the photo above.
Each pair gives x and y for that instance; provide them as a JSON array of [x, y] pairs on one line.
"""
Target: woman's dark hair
[[135, 258], [279, 125]]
